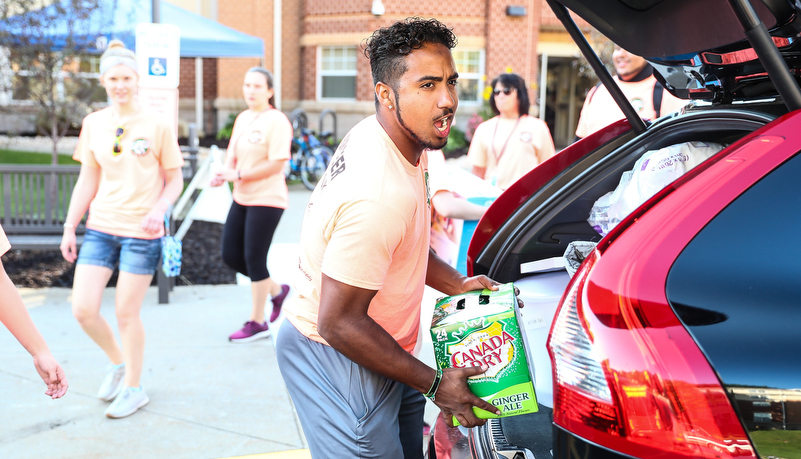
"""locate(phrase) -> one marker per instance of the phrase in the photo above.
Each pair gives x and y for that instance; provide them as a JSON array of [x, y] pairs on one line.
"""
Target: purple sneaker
[[250, 332], [278, 301]]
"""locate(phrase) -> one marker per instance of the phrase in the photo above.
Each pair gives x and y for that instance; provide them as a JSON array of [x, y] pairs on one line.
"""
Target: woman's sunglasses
[[119, 133], [505, 91]]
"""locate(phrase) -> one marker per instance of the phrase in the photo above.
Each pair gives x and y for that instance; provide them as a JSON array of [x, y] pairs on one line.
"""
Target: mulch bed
[[202, 262]]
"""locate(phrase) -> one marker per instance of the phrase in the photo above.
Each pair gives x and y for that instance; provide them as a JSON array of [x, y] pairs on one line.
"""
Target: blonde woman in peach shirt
[[130, 176], [255, 161]]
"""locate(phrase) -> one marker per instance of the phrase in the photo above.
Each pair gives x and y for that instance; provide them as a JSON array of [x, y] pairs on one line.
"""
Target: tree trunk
[[54, 137], [53, 177]]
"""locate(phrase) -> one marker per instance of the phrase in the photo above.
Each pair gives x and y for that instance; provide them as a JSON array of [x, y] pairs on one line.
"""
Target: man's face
[[426, 97], [627, 65]]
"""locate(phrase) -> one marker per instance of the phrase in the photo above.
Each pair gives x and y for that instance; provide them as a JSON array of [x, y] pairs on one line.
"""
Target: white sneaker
[[112, 385], [127, 403]]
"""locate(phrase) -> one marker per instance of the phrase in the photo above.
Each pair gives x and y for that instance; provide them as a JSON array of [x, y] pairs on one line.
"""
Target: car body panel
[[736, 288], [739, 121]]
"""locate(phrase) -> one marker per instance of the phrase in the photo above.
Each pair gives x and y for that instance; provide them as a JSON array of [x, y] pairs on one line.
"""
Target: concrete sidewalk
[[208, 398]]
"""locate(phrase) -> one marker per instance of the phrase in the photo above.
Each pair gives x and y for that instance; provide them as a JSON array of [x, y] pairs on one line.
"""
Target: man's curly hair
[[387, 47]]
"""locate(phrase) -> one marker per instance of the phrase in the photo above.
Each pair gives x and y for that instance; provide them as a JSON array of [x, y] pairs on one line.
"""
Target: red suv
[[678, 335]]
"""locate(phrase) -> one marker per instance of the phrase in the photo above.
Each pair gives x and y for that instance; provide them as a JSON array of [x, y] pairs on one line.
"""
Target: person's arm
[[345, 325], [82, 195], [476, 153], [547, 148], [16, 318], [228, 163], [263, 170], [451, 206], [174, 185], [478, 171], [443, 277]]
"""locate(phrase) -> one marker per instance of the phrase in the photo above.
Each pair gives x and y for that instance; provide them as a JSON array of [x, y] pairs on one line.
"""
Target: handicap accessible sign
[[158, 55], [155, 66]]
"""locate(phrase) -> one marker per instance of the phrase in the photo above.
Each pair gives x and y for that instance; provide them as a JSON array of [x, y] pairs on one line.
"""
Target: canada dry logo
[[491, 346]]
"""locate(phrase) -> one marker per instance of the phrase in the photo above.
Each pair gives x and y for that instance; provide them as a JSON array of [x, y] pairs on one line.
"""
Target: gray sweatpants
[[347, 411]]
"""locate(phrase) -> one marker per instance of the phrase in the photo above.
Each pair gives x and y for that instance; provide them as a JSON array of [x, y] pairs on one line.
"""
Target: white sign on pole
[[158, 54], [161, 102]]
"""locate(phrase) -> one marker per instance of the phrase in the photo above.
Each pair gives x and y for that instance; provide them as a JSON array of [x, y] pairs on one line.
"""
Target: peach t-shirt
[[4, 244], [130, 182], [267, 138], [367, 225], [600, 110], [528, 143]]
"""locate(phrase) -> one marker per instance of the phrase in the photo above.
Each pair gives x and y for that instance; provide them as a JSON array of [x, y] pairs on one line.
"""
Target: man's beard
[[421, 142]]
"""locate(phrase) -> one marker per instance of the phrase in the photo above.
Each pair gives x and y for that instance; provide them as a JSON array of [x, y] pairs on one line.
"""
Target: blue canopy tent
[[200, 36], [117, 19]]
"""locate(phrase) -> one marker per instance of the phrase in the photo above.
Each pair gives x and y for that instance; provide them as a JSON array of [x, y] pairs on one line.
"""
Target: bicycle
[[309, 159]]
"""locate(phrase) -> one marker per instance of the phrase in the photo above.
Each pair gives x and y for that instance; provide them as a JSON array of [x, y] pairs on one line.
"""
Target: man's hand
[[478, 283], [481, 282], [454, 398]]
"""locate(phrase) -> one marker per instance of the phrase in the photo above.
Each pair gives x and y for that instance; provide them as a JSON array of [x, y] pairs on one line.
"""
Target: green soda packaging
[[482, 327]]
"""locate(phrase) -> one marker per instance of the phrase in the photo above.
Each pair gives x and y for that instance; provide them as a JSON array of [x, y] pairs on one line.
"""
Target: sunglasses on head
[[506, 91], [118, 133]]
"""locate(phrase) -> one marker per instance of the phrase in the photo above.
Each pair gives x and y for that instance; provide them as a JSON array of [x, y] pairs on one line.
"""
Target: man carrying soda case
[[345, 350]]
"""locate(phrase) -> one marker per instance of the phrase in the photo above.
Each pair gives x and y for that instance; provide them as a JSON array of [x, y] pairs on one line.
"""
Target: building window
[[23, 83], [470, 65], [337, 75]]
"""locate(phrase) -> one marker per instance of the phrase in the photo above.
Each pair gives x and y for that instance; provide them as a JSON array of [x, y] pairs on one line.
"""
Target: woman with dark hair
[[507, 146], [255, 161]]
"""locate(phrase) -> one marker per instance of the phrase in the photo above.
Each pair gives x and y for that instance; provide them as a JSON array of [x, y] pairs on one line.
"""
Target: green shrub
[[457, 143], [228, 129]]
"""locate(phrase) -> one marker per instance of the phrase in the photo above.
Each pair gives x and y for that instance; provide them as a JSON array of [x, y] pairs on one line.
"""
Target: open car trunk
[[544, 225]]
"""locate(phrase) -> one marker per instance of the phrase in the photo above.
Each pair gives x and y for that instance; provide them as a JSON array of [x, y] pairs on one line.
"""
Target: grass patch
[[28, 157], [785, 444]]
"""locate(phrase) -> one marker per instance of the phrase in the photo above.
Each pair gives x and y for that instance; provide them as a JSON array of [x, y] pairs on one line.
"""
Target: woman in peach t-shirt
[[506, 147], [255, 161], [130, 176]]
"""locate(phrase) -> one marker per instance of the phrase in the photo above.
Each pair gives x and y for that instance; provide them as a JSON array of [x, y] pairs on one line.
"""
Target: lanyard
[[499, 154]]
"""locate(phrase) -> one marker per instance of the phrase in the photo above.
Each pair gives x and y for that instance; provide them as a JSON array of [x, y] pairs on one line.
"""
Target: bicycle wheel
[[314, 165]]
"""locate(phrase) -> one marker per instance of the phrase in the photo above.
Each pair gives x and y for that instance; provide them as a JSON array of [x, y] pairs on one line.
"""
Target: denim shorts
[[134, 255]]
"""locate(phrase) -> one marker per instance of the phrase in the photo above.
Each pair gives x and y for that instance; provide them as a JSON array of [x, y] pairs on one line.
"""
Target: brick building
[[322, 67], [313, 48]]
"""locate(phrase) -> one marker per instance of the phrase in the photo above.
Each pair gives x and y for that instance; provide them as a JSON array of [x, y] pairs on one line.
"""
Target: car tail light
[[634, 380]]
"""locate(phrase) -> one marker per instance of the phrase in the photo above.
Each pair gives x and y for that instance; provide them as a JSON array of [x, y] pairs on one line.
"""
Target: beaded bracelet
[[432, 392]]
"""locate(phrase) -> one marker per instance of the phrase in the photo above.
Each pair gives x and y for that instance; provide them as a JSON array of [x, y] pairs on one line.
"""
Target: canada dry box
[[482, 327]]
